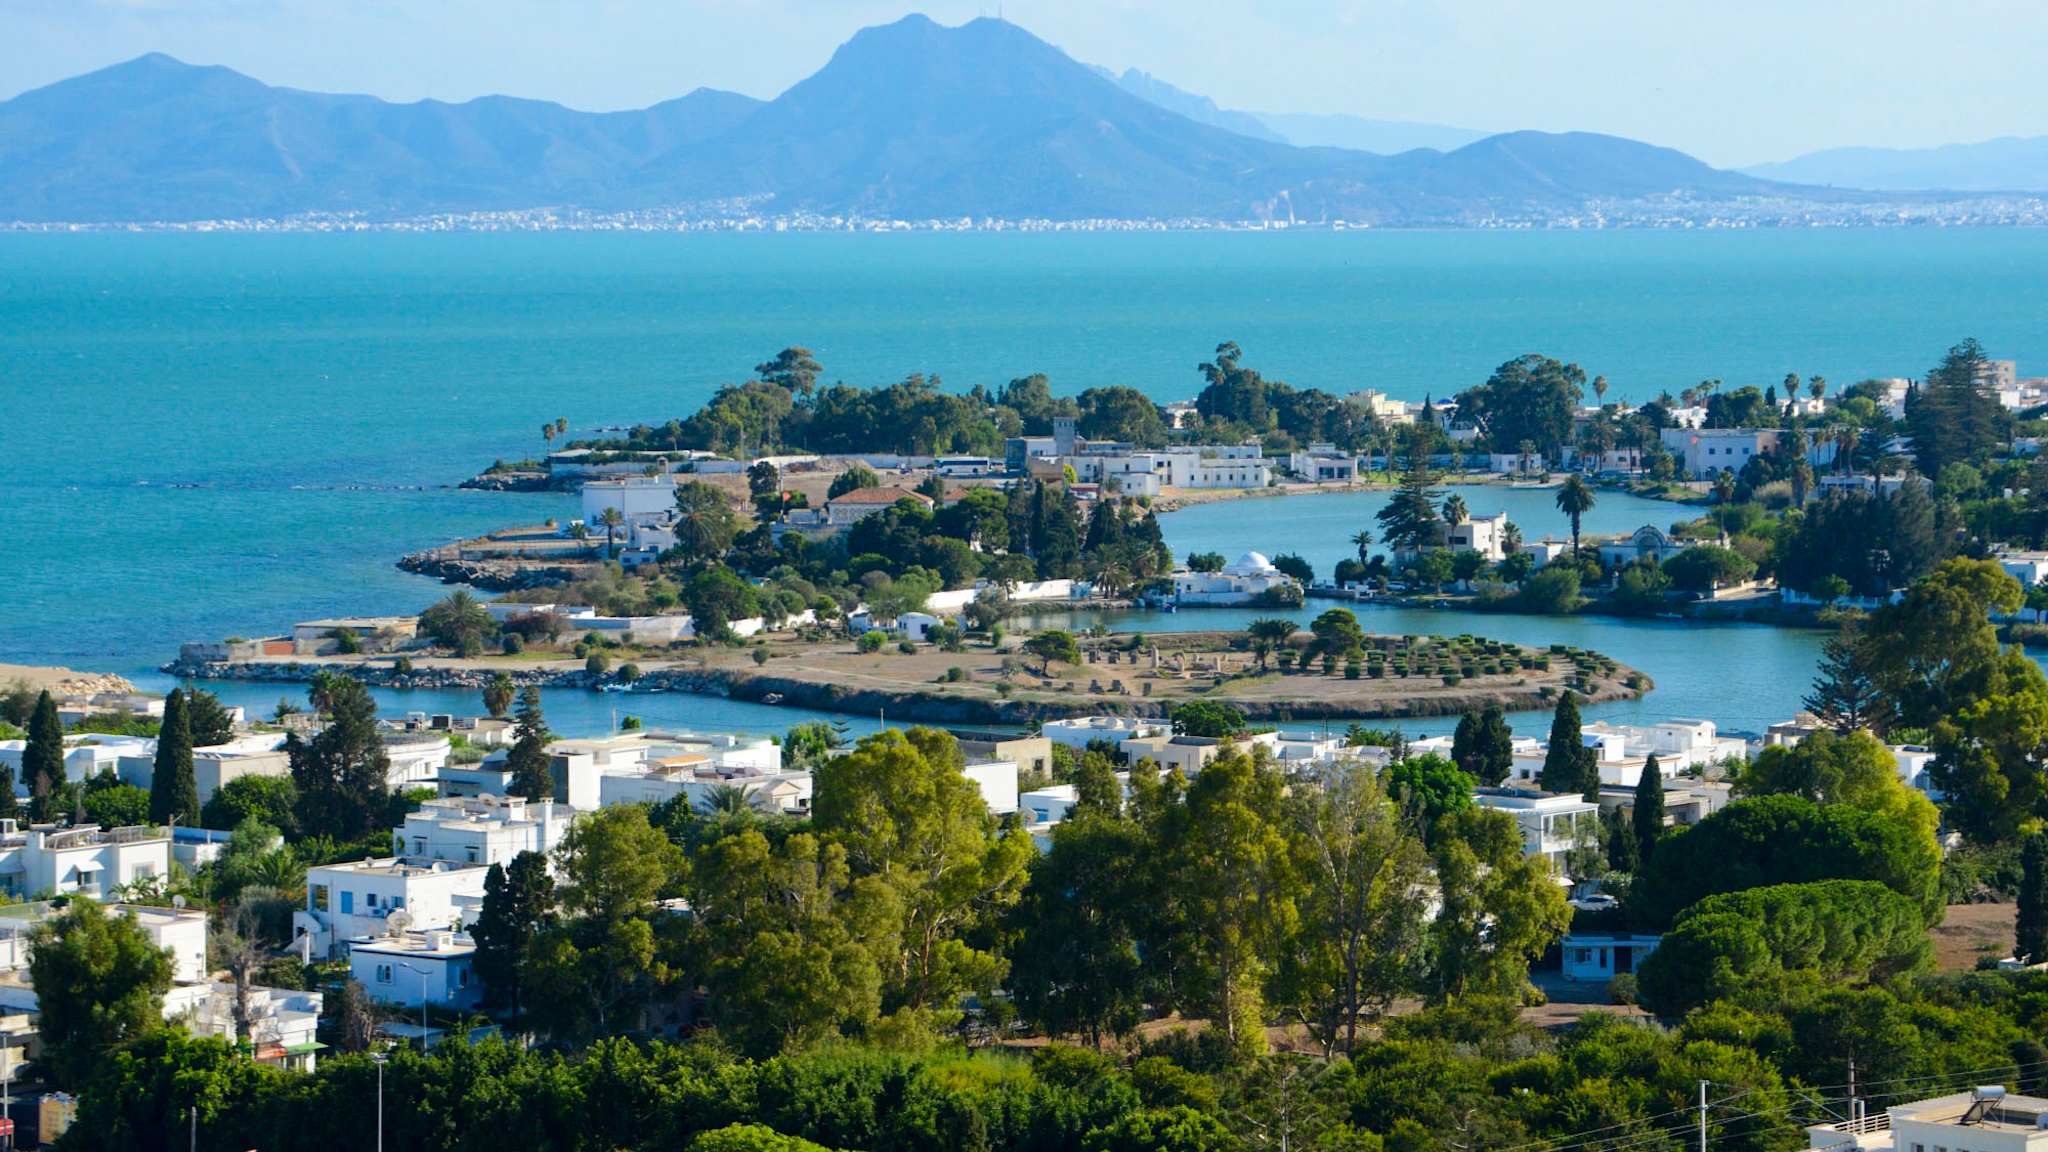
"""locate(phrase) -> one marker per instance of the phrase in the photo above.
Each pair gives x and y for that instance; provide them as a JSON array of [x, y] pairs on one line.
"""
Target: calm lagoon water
[[217, 435]]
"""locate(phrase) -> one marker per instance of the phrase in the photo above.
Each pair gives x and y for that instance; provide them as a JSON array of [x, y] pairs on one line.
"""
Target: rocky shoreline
[[489, 575], [521, 482], [930, 706]]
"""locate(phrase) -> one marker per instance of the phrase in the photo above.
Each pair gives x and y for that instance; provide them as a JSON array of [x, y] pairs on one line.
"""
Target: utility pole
[[1855, 1105], [1703, 1116]]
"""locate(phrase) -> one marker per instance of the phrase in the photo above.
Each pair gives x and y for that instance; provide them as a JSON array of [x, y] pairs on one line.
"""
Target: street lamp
[[422, 973], [379, 1058]]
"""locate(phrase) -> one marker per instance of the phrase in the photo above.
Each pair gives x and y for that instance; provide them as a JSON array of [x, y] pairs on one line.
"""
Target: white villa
[[482, 830], [406, 969], [1486, 535], [369, 898], [1242, 581], [1623, 750], [1646, 543], [1551, 824]]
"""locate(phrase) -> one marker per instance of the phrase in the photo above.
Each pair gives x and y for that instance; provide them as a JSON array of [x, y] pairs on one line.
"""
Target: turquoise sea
[[215, 435]]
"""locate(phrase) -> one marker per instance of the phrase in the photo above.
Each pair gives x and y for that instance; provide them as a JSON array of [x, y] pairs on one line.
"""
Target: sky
[[1732, 81]]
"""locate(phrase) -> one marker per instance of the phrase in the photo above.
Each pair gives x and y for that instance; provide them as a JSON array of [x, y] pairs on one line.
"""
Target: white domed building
[[1245, 580]]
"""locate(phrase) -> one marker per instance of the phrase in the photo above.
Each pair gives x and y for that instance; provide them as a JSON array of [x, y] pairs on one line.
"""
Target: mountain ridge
[[910, 120], [2002, 164]]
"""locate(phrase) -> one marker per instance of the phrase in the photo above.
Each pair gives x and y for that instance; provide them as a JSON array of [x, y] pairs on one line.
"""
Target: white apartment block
[[482, 830], [345, 902], [1704, 452], [44, 860], [1550, 824], [636, 498], [1986, 1119], [1082, 731]]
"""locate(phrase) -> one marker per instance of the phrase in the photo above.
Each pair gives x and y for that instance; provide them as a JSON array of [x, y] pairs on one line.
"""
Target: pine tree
[[343, 773], [42, 760], [1844, 693], [1409, 521], [1564, 761], [2030, 923], [1648, 815], [518, 903], [173, 790], [528, 760]]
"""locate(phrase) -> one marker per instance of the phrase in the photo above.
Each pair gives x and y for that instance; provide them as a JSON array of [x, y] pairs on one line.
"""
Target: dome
[[1251, 564]]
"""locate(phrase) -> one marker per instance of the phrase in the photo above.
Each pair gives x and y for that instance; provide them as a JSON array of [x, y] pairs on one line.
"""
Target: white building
[[283, 1023], [436, 967], [1551, 824], [636, 498], [850, 508], [371, 897], [1704, 452], [1243, 581], [1646, 543], [1082, 731], [997, 780], [693, 778], [1322, 463], [1599, 957], [483, 830], [1622, 750], [1486, 535], [416, 758], [1986, 1119], [44, 860]]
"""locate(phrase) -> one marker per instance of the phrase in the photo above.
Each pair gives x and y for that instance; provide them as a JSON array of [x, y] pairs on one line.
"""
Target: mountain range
[[909, 120], [2009, 163], [1303, 130]]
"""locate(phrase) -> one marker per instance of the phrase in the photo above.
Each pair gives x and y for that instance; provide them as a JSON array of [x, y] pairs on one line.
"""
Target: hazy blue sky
[[1733, 81]]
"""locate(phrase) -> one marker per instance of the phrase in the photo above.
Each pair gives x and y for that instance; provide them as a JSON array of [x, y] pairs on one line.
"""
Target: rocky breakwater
[[382, 674], [489, 575]]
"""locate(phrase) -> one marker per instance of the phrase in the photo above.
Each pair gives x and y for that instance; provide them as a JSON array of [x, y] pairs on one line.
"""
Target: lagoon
[[211, 435]]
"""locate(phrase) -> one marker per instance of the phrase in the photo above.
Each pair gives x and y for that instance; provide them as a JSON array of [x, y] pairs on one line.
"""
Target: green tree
[[1646, 812], [1531, 397], [852, 480], [1500, 909], [273, 800], [1210, 718], [1705, 567], [527, 760], [2030, 919], [591, 975], [1575, 499], [904, 812], [1844, 695], [1359, 943], [706, 523], [1409, 522], [115, 805], [342, 774], [1839, 930], [498, 694], [42, 759], [519, 904], [1053, 644], [1428, 788], [458, 622], [208, 718], [173, 790], [1493, 746], [1267, 634], [1564, 760], [1239, 885], [99, 984], [1954, 417], [1075, 967]]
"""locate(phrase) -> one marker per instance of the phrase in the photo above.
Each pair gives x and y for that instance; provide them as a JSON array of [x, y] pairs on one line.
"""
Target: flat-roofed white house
[[637, 498], [1081, 731], [406, 969], [1551, 823], [1984, 1119], [1597, 957], [85, 860], [482, 830], [345, 902]]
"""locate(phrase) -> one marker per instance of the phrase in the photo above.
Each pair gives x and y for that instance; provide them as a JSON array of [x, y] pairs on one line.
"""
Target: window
[[472, 853], [316, 897], [398, 901], [383, 973], [370, 900], [348, 902], [462, 977]]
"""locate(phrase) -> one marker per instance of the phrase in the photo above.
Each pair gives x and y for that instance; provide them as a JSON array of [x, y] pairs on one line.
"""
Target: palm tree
[[1724, 487], [730, 802], [611, 520], [1454, 510], [1362, 540], [1600, 390], [1511, 539], [1268, 633], [547, 432], [1817, 387], [1574, 500]]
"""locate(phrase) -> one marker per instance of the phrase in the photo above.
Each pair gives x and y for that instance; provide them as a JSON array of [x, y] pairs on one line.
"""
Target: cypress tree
[[2030, 922], [1648, 816], [1563, 762], [173, 790], [528, 760], [42, 761], [1465, 744], [1622, 850], [1496, 746]]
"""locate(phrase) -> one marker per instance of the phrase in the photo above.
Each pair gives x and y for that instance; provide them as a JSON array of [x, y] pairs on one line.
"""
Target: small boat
[[772, 698], [612, 687]]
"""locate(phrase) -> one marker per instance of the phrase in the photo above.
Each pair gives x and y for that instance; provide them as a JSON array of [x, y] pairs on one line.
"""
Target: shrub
[[1622, 989], [760, 655], [597, 664], [629, 672], [955, 674], [908, 648], [513, 644], [871, 641], [402, 665]]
